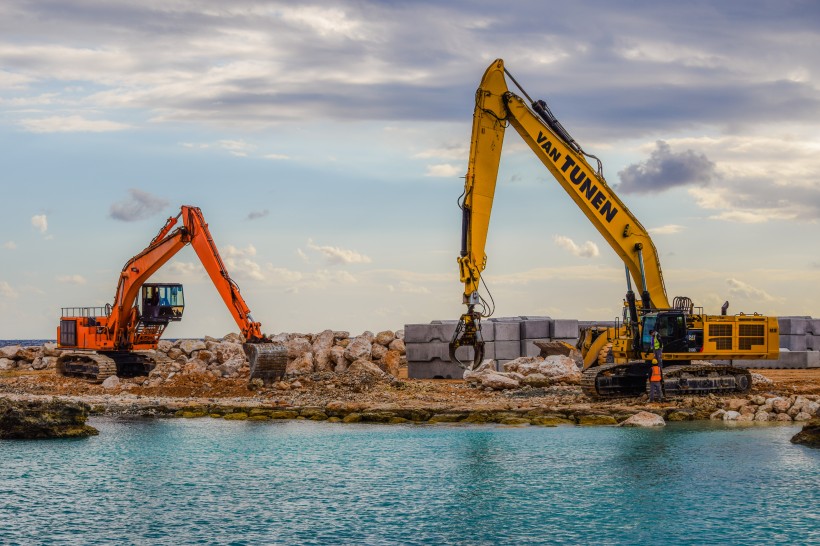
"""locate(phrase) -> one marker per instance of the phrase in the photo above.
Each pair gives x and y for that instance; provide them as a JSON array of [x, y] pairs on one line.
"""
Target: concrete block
[[507, 331], [438, 350], [535, 328], [793, 342], [564, 329], [528, 347], [440, 330], [507, 350], [434, 369], [813, 342], [787, 359], [813, 327], [793, 325]]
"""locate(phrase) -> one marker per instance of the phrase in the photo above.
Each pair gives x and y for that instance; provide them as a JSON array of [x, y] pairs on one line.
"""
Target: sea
[[210, 481]]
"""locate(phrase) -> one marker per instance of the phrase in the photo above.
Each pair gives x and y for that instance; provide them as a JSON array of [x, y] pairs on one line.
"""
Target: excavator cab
[[162, 303], [671, 325]]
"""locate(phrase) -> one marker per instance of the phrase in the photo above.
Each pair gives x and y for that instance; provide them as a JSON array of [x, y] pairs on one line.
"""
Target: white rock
[[498, 382], [484, 368], [300, 365], [359, 349], [524, 365], [322, 341], [762, 416], [802, 416], [298, 346], [644, 419], [731, 415], [111, 382], [560, 368], [781, 405], [718, 415], [191, 345], [9, 351], [759, 379]]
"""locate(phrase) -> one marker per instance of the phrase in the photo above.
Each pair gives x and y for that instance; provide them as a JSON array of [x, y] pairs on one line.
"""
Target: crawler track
[[630, 379], [98, 366]]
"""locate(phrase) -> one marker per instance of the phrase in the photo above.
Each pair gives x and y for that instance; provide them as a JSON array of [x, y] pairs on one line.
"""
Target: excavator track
[[97, 366], [631, 379], [268, 361], [88, 365]]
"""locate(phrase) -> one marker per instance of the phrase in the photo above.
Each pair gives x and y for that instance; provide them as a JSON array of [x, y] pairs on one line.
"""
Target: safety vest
[[657, 339], [656, 373]]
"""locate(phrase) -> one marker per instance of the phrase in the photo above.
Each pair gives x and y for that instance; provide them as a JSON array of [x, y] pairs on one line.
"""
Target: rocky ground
[[337, 377]]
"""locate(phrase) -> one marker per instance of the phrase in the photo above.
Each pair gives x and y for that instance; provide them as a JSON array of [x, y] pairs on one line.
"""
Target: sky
[[326, 144]]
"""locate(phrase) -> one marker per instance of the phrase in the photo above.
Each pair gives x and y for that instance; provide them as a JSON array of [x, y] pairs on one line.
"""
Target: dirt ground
[[319, 391]]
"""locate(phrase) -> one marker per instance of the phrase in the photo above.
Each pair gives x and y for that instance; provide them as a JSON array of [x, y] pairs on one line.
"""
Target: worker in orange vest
[[655, 382]]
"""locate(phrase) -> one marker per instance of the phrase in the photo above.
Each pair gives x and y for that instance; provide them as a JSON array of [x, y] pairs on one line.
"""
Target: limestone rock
[[7, 364], [384, 338], [731, 416], [232, 337], [300, 365], [498, 382], [337, 356], [112, 382], [802, 416], [298, 346], [359, 349], [9, 351], [734, 404], [781, 405], [397, 345], [391, 362], [50, 349], [191, 345], [378, 351], [35, 420], [783, 417], [323, 341], [762, 416], [759, 379], [718, 415], [560, 368], [322, 361], [644, 419], [226, 350], [536, 380], [524, 365], [810, 435], [368, 335], [474, 376], [164, 345]]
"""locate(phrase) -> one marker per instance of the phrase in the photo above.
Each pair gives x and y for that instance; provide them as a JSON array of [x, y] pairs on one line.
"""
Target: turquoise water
[[210, 481]]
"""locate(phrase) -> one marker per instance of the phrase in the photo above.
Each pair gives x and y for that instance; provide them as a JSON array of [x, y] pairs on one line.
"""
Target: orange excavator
[[122, 338]]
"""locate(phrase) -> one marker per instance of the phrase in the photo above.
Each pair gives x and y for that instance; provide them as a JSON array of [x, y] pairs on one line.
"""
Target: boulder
[[378, 351], [7, 364], [368, 335], [41, 419], [359, 349], [810, 435], [498, 382], [191, 345], [474, 376], [783, 417], [226, 350], [536, 380], [322, 341], [762, 416], [298, 346], [644, 419], [731, 416], [322, 361], [112, 382], [384, 338], [802, 416], [781, 405], [164, 345], [9, 351], [391, 362], [718, 415], [27, 354], [398, 345], [233, 337], [759, 379], [524, 365], [50, 349], [337, 356], [560, 368], [734, 404], [300, 365]]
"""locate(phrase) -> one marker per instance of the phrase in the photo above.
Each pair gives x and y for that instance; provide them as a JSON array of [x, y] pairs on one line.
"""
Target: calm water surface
[[294, 482]]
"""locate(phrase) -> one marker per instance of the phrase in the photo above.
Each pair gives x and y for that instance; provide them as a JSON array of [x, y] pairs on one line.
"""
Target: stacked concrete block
[[507, 339], [428, 349], [534, 329], [799, 345]]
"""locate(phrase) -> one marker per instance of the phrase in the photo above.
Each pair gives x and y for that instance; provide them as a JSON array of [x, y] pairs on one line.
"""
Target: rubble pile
[[769, 408], [526, 371]]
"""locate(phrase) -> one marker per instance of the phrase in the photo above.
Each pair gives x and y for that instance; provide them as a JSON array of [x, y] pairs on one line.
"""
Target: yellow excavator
[[616, 358]]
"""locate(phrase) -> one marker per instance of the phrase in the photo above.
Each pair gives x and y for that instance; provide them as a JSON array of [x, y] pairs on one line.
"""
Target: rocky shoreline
[[334, 377]]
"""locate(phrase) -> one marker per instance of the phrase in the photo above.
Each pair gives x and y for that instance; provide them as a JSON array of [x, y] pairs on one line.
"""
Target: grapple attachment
[[268, 361], [468, 334]]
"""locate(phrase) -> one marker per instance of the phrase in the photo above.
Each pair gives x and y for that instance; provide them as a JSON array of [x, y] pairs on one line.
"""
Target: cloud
[[185, 268], [11, 245], [337, 255], [40, 222], [71, 279], [669, 229], [239, 148], [7, 291], [408, 288], [587, 250], [276, 156], [740, 288], [304, 257], [256, 214], [666, 170], [444, 170], [139, 206], [70, 124], [239, 263]]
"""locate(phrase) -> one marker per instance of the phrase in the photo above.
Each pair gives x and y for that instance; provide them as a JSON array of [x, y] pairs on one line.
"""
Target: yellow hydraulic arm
[[495, 108]]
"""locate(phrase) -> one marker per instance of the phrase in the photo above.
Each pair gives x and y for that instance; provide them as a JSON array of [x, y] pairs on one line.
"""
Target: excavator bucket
[[268, 361]]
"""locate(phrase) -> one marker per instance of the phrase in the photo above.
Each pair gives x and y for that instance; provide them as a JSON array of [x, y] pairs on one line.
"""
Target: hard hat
[[654, 361]]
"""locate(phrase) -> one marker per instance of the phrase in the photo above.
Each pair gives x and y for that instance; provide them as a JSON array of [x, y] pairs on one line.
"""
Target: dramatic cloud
[[336, 255], [665, 170], [40, 222], [742, 289], [139, 206], [587, 250], [256, 214], [71, 279]]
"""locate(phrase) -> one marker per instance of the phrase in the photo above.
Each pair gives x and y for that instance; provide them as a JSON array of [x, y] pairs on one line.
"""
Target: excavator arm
[[496, 107]]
